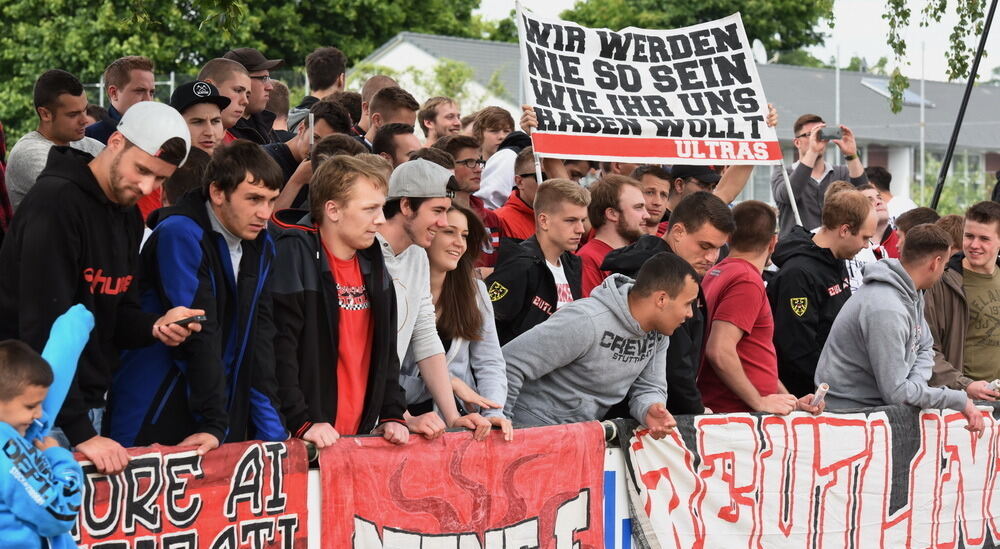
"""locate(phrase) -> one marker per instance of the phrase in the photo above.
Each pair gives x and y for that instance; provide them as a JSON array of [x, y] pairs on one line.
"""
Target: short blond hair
[[554, 192], [335, 179], [377, 161], [848, 207]]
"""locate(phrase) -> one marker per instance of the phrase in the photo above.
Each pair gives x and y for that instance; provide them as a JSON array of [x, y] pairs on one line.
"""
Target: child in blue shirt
[[40, 483]]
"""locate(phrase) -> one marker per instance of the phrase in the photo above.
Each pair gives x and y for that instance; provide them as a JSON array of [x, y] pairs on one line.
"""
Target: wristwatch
[[849, 157]]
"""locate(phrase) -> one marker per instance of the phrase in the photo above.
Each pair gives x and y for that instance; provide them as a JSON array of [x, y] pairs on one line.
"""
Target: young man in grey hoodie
[[880, 349], [593, 352]]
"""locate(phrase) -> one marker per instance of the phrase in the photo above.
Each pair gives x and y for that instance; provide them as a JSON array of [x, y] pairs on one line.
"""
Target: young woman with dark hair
[[464, 323]]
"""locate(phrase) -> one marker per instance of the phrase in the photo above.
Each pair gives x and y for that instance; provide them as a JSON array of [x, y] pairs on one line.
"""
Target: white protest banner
[[682, 96], [890, 477]]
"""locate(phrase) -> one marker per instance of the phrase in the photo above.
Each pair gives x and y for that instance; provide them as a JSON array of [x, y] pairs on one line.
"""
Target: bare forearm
[[732, 182], [854, 167], [727, 365], [434, 371]]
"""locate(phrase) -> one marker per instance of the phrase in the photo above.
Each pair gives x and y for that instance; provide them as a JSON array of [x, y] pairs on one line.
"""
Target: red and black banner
[[544, 489], [250, 495]]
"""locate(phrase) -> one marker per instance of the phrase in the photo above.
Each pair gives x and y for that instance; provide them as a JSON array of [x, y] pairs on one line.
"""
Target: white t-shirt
[[856, 266], [898, 206], [564, 294], [497, 180]]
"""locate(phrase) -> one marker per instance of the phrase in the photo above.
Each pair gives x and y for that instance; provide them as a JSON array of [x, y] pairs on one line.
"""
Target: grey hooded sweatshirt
[[585, 358], [880, 349]]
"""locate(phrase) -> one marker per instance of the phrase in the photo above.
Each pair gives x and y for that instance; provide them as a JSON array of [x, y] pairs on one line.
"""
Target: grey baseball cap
[[420, 179]]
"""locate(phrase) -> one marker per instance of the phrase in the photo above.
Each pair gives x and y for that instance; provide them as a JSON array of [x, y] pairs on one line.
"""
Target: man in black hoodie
[[75, 239], [812, 284], [536, 277], [699, 227]]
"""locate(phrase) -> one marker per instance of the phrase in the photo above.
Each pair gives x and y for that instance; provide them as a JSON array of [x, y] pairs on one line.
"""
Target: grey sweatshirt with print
[[880, 349], [585, 358]]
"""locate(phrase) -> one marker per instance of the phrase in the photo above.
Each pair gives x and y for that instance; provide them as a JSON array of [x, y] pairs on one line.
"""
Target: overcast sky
[[858, 30]]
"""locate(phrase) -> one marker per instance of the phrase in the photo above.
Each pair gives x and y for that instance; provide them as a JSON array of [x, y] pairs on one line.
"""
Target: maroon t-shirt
[[593, 253], [734, 293]]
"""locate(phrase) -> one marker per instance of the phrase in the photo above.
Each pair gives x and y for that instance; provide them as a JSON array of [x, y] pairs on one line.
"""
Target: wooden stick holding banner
[[524, 84], [791, 195], [660, 96]]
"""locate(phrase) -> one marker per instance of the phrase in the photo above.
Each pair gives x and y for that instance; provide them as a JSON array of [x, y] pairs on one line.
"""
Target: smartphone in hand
[[827, 133], [190, 319]]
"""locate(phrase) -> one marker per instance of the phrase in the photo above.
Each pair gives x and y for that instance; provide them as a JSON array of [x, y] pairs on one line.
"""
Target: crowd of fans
[[261, 271]]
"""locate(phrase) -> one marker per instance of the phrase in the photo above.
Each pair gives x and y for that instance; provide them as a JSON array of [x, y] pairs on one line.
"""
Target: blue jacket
[[103, 128], [220, 380], [40, 493]]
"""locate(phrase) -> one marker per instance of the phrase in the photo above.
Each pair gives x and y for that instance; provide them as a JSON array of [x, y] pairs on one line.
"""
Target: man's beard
[[626, 232], [122, 197]]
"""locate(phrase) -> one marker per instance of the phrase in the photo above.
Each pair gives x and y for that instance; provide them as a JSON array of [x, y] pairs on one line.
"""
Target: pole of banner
[[522, 90], [538, 168], [961, 110], [788, 188]]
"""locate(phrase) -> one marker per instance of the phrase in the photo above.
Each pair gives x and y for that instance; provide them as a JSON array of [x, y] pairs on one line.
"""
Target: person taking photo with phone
[[811, 175]]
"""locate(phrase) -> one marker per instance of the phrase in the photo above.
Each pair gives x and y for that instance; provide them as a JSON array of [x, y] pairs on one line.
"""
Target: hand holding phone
[[829, 133], [190, 319]]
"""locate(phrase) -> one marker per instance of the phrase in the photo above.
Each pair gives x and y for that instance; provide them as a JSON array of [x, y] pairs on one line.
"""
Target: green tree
[[964, 37], [83, 36], [778, 24]]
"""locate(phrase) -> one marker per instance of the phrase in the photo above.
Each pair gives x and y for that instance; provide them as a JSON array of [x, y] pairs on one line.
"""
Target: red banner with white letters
[[544, 489], [249, 494]]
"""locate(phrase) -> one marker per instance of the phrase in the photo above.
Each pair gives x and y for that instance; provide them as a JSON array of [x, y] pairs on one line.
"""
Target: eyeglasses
[[262, 77], [802, 135], [533, 174], [471, 163]]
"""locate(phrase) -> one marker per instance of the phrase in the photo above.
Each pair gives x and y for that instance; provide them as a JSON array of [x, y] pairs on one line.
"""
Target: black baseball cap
[[253, 60], [196, 92], [705, 174]]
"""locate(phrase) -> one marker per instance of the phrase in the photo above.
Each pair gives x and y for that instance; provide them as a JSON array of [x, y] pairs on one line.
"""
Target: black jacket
[[68, 243], [221, 379], [807, 293], [305, 317], [257, 128], [684, 352], [522, 288]]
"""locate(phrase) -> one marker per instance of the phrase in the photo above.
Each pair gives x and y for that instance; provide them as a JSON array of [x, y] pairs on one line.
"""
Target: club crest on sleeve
[[799, 305], [497, 291]]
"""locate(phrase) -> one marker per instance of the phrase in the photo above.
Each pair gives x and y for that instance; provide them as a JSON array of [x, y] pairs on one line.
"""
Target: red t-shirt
[[592, 255], [354, 332], [150, 202], [228, 138], [492, 225], [889, 247], [734, 292]]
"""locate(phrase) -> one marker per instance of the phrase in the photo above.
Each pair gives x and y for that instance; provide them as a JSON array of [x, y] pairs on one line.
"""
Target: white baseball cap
[[148, 125]]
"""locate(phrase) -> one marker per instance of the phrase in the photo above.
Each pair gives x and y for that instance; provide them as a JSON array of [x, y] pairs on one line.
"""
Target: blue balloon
[[69, 335]]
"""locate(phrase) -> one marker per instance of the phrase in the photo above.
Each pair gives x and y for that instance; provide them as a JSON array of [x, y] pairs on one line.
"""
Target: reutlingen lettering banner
[[892, 477], [682, 96]]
